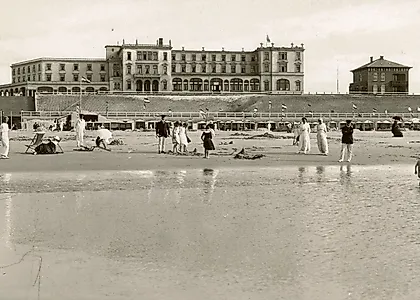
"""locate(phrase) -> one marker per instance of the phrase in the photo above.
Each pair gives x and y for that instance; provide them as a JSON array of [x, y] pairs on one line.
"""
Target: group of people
[[180, 138], [302, 139]]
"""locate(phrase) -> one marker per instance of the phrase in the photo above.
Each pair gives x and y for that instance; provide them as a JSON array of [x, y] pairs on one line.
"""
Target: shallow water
[[333, 232]]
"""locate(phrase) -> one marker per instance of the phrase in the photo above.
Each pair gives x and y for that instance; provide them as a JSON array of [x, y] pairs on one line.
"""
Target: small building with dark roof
[[380, 76]]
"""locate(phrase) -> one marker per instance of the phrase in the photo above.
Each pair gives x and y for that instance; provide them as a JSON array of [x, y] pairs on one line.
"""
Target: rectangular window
[[297, 67], [102, 67], [283, 55], [266, 68], [173, 56], [138, 55], [147, 69], [75, 67], [29, 69], [233, 69], [173, 68], [39, 77], [252, 69], [298, 56], [193, 68], [103, 78], [23, 78], [13, 80], [194, 57], [165, 85], [223, 57], [128, 69], [48, 67], [13, 72], [39, 67], [382, 76], [266, 85], [139, 69], [183, 57], [375, 76], [252, 58], [233, 57], [266, 56], [89, 67], [155, 69], [213, 57], [29, 77], [165, 70], [128, 55], [149, 55], [144, 55], [204, 68], [214, 69], [89, 77], [18, 79], [223, 69], [165, 56], [62, 77], [33, 68], [48, 77], [18, 71], [155, 56], [129, 85], [203, 57], [183, 68], [75, 77], [23, 70], [33, 77], [243, 58], [283, 68], [62, 67], [243, 69]]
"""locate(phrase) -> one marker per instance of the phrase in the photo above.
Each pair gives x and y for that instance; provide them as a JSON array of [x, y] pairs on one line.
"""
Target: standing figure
[[183, 138], [80, 130], [61, 125], [4, 138], [296, 134], [176, 138], [304, 140], [347, 142], [417, 169], [207, 138], [321, 137], [396, 129], [162, 132]]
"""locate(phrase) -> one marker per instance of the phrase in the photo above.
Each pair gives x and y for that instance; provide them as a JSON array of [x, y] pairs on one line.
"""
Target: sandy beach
[[139, 151]]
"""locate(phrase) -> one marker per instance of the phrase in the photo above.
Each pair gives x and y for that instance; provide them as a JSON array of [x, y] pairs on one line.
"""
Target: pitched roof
[[381, 63]]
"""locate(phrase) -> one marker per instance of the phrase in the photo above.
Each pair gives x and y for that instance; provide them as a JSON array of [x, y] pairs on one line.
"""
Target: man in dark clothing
[[347, 141], [396, 130], [162, 132]]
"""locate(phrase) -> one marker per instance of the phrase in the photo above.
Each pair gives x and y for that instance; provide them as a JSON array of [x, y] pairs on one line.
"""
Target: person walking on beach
[[296, 134], [176, 138], [417, 169], [183, 138], [304, 140], [207, 138], [321, 137], [162, 132], [80, 131], [4, 138], [347, 142]]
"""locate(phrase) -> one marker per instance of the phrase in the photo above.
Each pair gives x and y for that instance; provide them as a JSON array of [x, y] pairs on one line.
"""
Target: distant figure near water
[[304, 140], [347, 142], [417, 169], [207, 138], [321, 137]]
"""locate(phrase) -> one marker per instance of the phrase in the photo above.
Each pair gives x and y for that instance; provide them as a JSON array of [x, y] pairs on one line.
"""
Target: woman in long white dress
[[183, 137], [80, 131], [321, 137], [304, 141], [176, 138]]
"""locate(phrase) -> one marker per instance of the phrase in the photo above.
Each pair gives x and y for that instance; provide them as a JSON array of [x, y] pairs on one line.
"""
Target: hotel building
[[154, 68]]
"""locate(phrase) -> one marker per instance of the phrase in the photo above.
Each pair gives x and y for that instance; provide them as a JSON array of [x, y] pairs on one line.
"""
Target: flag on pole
[[283, 106], [268, 39], [375, 110], [309, 104], [146, 100], [409, 109], [84, 79], [354, 106], [418, 108]]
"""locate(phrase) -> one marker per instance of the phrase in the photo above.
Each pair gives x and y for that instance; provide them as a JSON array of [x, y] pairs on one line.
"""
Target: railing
[[227, 115]]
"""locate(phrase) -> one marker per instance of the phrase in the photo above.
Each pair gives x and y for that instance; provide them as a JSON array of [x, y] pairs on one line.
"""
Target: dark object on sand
[[84, 148], [265, 135], [396, 130], [117, 142], [243, 155]]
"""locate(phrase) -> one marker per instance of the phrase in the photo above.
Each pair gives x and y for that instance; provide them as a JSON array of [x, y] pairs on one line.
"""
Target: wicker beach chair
[[37, 140]]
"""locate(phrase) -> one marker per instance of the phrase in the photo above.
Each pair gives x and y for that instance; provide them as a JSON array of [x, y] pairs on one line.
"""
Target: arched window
[[155, 86], [164, 85], [297, 86], [196, 84], [246, 86], [62, 89], [226, 83], [216, 84], [255, 85], [147, 85], [283, 85], [139, 85], [185, 85], [75, 89], [206, 85], [90, 89], [177, 84], [236, 85]]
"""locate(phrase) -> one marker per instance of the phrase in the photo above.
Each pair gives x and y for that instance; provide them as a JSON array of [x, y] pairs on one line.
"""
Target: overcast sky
[[343, 33]]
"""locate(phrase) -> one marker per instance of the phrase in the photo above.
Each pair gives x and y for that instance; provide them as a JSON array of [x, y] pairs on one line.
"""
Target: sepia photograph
[[210, 150]]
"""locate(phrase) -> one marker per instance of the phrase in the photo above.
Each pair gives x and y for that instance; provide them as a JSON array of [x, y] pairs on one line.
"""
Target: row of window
[[282, 67], [147, 55], [48, 77], [28, 68], [395, 77], [76, 67], [233, 57], [48, 67]]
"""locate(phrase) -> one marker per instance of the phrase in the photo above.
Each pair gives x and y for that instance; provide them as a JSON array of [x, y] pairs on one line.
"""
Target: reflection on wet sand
[[8, 205], [345, 174], [320, 170], [210, 178]]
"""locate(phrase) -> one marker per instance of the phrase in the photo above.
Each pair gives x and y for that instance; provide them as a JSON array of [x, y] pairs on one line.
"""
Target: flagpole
[[80, 97]]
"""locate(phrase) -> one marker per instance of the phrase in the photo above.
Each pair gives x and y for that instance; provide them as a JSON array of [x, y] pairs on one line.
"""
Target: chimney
[[183, 49], [160, 42], [202, 48], [381, 57], [292, 45], [123, 42], [137, 42], [170, 43], [223, 49]]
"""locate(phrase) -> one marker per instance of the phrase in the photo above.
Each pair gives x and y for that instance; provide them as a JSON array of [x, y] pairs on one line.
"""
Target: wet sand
[[139, 152]]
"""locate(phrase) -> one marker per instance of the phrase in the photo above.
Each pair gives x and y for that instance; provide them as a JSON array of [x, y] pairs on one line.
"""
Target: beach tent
[[383, 125], [140, 124]]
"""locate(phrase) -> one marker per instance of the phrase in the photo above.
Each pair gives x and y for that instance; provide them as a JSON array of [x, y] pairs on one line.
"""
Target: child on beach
[[207, 138], [417, 169], [176, 138]]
